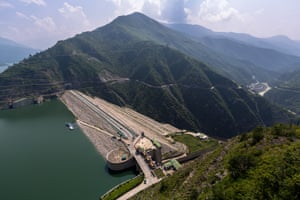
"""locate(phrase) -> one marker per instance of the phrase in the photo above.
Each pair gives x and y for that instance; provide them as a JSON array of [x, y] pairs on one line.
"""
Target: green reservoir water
[[40, 159]]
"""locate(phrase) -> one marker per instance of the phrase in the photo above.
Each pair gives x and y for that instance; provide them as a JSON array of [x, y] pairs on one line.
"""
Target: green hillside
[[263, 164], [268, 59], [286, 91], [125, 63], [144, 28], [275, 55]]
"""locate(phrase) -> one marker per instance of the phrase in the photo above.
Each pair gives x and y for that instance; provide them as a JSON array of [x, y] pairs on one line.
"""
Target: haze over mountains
[[138, 62], [277, 58], [277, 54], [12, 52], [280, 43]]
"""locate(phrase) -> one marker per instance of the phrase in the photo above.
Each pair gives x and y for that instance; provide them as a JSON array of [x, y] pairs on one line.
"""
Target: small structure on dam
[[151, 150], [119, 159]]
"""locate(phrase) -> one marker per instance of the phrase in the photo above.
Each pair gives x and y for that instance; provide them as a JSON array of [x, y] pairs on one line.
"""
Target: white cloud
[[260, 11], [163, 10], [22, 15], [123, 7], [74, 14], [152, 8], [217, 11], [45, 23], [37, 2], [4, 4]]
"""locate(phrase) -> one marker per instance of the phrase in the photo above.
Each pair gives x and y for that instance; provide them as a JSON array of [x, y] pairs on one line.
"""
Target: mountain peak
[[137, 14], [283, 39], [135, 19]]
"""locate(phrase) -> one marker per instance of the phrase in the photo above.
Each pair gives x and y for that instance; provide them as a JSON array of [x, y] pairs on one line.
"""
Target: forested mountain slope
[[126, 62], [277, 54], [263, 164]]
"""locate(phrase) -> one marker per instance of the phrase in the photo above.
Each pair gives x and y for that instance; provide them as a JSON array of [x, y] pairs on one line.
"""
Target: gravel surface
[[99, 131]]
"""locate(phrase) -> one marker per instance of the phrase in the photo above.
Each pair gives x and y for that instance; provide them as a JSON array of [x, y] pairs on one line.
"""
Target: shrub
[[239, 163], [257, 135]]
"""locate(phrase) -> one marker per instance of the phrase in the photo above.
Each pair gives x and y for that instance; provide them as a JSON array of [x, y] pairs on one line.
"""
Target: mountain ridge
[[236, 69], [117, 63], [263, 53], [278, 42]]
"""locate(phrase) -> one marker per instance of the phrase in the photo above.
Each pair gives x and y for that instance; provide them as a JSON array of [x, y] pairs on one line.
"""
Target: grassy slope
[[123, 188], [194, 144], [263, 164]]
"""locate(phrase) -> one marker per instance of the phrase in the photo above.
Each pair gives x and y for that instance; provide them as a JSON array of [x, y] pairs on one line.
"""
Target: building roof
[[168, 164], [144, 144], [173, 163], [156, 143]]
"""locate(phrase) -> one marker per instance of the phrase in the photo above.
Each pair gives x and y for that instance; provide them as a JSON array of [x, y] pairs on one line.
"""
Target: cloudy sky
[[40, 23]]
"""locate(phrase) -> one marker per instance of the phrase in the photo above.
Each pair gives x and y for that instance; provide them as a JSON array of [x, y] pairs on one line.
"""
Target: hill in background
[[274, 56], [12, 52]]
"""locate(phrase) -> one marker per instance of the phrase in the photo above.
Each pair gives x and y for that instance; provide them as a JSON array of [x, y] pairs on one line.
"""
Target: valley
[[179, 103]]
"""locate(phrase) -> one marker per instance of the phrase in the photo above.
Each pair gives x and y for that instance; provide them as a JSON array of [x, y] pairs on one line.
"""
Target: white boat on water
[[70, 126]]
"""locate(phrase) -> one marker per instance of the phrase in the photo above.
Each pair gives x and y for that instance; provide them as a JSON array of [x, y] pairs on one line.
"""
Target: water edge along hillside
[[42, 159]]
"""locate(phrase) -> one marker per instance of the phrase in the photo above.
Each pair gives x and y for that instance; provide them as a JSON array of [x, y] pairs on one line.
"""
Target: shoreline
[[99, 134]]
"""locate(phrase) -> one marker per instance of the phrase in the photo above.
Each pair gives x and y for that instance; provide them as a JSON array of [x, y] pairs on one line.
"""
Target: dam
[[116, 131]]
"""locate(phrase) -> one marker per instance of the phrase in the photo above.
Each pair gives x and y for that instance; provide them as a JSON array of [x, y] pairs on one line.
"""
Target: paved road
[[136, 190], [95, 127], [114, 123]]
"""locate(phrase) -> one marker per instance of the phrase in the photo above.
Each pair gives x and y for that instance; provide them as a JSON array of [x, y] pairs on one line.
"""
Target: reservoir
[[40, 158]]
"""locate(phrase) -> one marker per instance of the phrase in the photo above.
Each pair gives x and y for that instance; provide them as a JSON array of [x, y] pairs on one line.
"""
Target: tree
[[239, 163], [257, 135]]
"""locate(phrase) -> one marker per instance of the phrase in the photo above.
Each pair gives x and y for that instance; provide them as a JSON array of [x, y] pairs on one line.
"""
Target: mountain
[[192, 30], [285, 44], [128, 63], [280, 43], [263, 164], [278, 55], [236, 69], [273, 54], [267, 59], [286, 91], [12, 52]]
